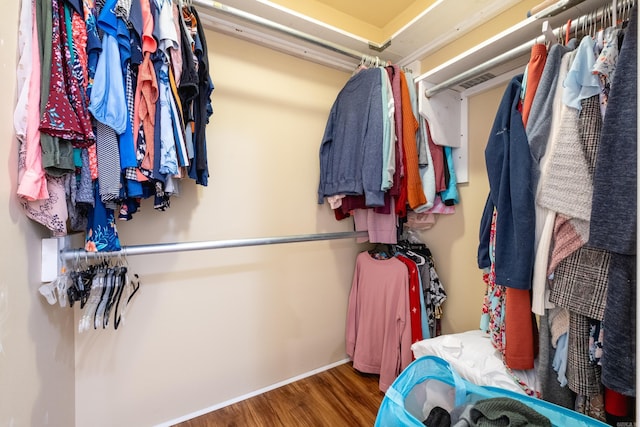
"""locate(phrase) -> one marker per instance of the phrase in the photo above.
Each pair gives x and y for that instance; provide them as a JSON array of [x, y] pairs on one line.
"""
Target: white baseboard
[[252, 394]]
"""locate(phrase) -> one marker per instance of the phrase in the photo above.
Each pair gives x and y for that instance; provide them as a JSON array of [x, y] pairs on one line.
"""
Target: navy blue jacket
[[508, 161]]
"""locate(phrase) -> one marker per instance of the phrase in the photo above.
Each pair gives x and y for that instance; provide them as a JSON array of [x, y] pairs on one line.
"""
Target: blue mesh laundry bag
[[430, 382]]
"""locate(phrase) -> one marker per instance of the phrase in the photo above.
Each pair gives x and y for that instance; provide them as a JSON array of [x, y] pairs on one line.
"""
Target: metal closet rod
[[517, 52], [80, 254], [216, 6]]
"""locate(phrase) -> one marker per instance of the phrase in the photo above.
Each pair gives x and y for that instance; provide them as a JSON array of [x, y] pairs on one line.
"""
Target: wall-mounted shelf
[[444, 90]]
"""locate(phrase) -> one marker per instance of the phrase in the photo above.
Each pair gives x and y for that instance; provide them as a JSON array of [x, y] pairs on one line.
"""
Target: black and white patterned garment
[[436, 296], [432, 288], [108, 163]]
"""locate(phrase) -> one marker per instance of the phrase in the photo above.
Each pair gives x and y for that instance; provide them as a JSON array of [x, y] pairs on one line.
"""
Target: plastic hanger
[[417, 258], [549, 35], [127, 292], [92, 303], [119, 277], [107, 290]]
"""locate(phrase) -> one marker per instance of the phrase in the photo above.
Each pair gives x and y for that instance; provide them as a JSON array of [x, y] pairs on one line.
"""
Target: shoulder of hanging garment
[[365, 79], [512, 93], [365, 74]]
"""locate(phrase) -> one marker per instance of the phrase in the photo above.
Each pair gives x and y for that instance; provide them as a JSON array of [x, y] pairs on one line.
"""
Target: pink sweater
[[378, 327]]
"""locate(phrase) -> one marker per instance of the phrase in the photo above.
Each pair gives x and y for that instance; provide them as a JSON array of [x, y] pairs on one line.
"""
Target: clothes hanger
[[94, 299], [116, 291], [128, 291], [118, 297], [567, 32], [549, 35], [107, 290], [61, 289], [627, 8], [416, 257]]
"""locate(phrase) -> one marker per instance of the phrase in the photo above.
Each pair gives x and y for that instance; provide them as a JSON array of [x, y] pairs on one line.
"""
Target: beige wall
[[215, 325], [211, 326], [36, 342]]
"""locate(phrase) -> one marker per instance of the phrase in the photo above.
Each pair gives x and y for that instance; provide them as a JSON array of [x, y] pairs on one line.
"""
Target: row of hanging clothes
[[396, 299], [558, 232], [114, 98], [378, 162], [102, 290]]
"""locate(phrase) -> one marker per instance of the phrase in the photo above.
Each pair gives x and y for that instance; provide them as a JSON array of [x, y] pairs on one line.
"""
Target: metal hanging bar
[[516, 52], [231, 11], [74, 254]]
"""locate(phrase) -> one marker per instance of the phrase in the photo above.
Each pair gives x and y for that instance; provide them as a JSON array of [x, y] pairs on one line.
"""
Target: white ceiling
[[376, 12]]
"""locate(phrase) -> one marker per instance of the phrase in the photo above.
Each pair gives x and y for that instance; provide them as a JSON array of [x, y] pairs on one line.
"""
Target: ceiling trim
[[436, 24]]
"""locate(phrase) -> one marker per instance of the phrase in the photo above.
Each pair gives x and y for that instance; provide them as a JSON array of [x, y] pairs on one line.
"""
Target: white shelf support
[[51, 261]]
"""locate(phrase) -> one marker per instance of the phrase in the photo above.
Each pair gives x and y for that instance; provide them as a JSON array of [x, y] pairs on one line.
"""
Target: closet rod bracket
[[52, 248], [51, 262]]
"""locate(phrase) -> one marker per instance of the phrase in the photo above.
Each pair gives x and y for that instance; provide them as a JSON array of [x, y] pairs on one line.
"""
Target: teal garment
[[77, 160], [424, 319], [450, 195], [69, 33]]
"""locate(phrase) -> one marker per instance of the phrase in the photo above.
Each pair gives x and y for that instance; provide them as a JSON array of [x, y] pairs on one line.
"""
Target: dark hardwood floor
[[338, 397]]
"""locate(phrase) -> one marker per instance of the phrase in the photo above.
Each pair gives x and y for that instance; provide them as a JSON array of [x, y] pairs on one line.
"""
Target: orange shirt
[[415, 193]]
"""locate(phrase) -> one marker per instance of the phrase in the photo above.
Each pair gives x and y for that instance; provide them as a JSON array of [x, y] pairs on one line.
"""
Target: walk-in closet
[[303, 213]]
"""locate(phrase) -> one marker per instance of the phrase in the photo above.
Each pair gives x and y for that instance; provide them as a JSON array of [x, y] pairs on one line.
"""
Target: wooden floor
[[338, 397]]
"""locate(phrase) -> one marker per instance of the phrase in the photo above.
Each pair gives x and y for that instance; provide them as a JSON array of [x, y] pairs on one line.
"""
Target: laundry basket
[[430, 381]]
